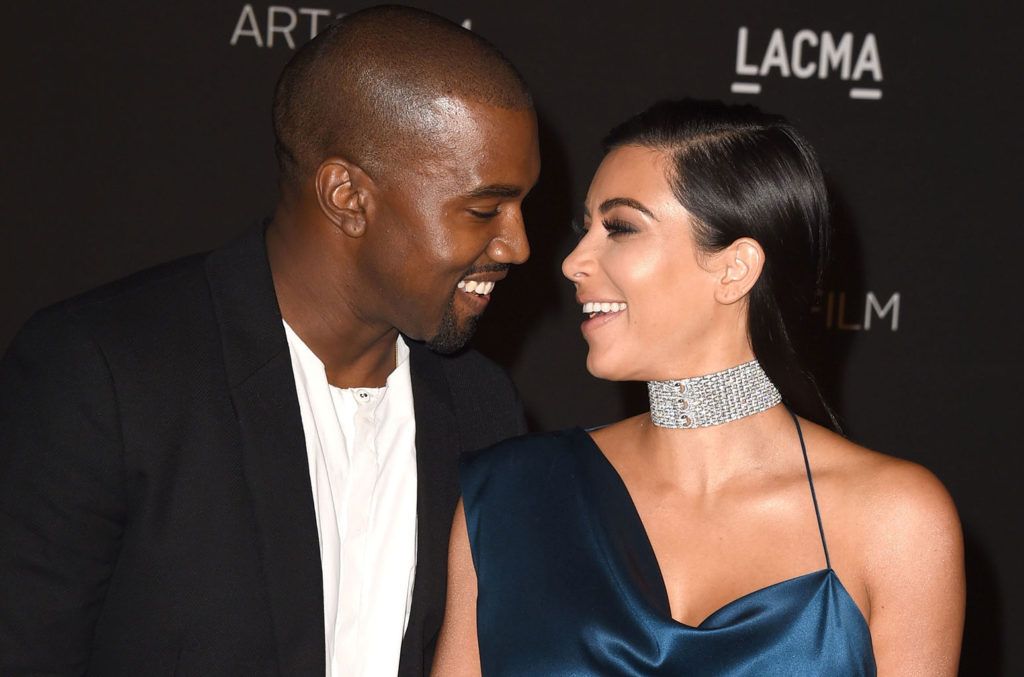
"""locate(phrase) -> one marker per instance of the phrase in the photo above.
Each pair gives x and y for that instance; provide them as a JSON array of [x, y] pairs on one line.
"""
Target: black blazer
[[156, 516]]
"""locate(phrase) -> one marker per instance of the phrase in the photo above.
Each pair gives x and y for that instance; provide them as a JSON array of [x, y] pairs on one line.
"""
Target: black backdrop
[[137, 132]]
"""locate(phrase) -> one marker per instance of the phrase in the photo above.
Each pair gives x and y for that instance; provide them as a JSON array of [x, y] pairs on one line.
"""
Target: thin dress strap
[[810, 481]]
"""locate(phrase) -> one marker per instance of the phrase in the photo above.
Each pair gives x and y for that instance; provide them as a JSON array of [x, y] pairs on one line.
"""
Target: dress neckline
[[654, 567]]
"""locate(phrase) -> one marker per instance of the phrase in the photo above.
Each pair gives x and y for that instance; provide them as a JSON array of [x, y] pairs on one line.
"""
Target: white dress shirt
[[361, 446]]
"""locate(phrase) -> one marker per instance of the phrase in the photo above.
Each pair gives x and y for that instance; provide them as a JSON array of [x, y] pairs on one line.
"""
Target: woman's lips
[[599, 320]]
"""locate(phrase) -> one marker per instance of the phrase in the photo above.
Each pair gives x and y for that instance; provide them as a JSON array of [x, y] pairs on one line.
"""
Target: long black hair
[[743, 173]]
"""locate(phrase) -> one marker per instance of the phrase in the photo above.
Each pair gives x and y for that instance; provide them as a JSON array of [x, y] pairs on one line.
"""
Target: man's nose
[[510, 245]]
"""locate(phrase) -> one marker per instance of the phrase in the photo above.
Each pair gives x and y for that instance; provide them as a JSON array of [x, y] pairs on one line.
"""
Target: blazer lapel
[[262, 388], [437, 450]]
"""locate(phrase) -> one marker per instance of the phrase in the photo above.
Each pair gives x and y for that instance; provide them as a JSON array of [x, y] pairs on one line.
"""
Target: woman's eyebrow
[[613, 202]]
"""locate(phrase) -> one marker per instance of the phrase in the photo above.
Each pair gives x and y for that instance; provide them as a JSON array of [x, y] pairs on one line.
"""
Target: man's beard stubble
[[450, 337]]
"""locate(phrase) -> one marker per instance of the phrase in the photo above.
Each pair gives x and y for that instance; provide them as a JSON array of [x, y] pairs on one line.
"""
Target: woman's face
[[638, 256]]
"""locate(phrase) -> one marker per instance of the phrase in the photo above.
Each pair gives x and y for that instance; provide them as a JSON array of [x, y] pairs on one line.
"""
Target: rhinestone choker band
[[712, 399]]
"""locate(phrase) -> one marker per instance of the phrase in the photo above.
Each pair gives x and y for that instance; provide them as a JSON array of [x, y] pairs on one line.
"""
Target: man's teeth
[[602, 307], [481, 288]]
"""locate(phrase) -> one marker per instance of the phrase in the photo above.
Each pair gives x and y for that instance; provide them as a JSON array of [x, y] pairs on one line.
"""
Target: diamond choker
[[712, 399]]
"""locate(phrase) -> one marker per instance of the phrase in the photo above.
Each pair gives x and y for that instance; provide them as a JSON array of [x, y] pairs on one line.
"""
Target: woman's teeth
[[474, 287], [592, 308]]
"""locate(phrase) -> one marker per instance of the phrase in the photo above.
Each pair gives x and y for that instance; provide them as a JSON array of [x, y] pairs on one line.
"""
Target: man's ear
[[342, 190], [740, 264]]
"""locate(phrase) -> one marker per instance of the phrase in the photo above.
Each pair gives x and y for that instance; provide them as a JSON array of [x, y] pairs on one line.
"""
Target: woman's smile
[[600, 313]]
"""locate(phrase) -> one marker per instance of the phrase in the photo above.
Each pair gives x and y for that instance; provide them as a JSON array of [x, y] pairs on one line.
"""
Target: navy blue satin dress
[[569, 584]]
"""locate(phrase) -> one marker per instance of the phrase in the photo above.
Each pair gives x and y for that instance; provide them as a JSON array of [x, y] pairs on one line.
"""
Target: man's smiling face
[[445, 228]]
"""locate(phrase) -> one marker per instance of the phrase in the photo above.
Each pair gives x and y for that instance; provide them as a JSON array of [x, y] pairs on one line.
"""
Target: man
[[234, 464]]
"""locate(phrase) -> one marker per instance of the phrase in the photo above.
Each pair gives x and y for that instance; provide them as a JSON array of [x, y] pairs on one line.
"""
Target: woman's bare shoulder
[[892, 500], [620, 432], [898, 546]]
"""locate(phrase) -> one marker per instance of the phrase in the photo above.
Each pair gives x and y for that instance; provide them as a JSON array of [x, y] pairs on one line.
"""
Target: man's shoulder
[[164, 295], [142, 287], [477, 391], [157, 283], [78, 344], [146, 307], [466, 369], [470, 362]]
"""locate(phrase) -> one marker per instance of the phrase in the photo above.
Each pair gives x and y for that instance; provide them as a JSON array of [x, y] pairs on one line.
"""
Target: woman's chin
[[607, 371], [596, 368]]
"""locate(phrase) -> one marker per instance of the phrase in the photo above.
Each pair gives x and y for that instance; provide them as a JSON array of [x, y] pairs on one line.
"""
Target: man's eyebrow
[[613, 202], [495, 190]]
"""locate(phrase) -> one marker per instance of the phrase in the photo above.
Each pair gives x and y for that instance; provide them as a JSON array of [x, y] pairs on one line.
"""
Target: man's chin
[[453, 334]]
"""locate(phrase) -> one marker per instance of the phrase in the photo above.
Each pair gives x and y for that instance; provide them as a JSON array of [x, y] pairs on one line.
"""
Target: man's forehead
[[435, 115], [489, 151], [455, 127], [450, 114]]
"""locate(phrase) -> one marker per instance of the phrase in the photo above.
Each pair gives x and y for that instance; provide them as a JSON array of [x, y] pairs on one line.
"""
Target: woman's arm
[[458, 654], [916, 578]]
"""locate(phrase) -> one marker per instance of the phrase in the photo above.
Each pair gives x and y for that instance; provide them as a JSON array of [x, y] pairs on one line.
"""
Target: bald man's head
[[372, 88]]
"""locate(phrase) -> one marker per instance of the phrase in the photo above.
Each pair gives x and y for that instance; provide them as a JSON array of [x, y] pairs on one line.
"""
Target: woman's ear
[[342, 190], [741, 264]]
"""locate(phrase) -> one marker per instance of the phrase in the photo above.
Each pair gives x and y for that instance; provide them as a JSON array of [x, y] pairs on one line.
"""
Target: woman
[[721, 533]]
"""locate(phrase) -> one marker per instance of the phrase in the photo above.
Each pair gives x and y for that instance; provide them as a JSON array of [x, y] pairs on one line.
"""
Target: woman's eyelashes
[[613, 227], [618, 228]]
